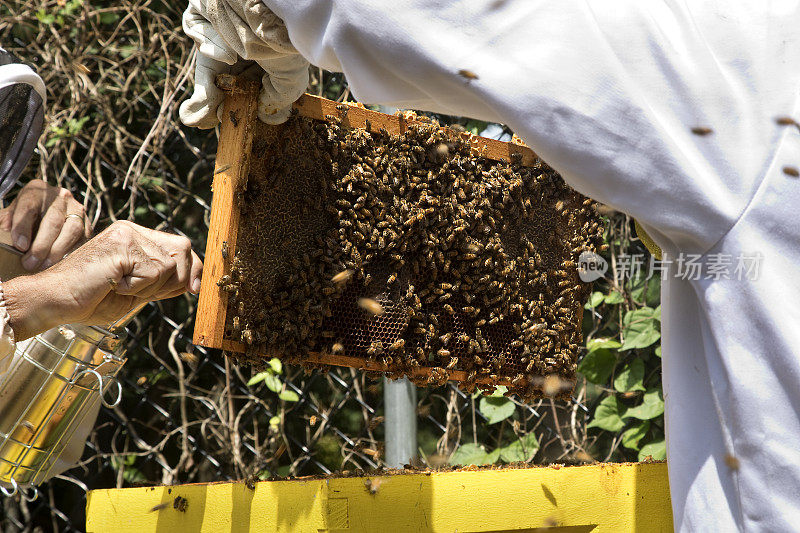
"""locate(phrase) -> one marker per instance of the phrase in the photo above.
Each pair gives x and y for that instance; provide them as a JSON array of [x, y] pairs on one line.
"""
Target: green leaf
[[640, 328], [275, 365], [652, 406], [108, 17], [521, 450], [656, 449], [496, 408], [258, 378], [45, 17], [607, 415], [657, 313], [500, 390], [631, 438], [273, 382], [594, 300], [597, 365], [631, 378], [471, 454], [289, 396], [653, 294], [614, 297], [658, 350], [594, 344], [76, 125], [275, 421]]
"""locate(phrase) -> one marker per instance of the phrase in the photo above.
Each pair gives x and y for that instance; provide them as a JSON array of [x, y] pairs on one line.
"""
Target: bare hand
[[117, 270], [60, 219]]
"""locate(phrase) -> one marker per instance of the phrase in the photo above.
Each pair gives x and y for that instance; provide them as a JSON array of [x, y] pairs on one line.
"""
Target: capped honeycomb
[[410, 251]]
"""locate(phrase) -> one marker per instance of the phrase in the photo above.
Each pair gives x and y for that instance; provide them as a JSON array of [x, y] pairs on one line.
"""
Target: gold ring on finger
[[73, 215]]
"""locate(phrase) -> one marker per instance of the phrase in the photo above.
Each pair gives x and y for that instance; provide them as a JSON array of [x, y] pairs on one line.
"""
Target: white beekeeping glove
[[231, 35]]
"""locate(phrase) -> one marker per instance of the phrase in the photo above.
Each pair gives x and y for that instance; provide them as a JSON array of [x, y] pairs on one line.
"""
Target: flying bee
[[343, 276], [373, 485], [791, 171], [786, 121], [467, 74], [702, 131]]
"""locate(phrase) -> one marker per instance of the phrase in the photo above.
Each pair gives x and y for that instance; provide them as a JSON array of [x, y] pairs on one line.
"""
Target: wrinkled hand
[[46, 222], [101, 281]]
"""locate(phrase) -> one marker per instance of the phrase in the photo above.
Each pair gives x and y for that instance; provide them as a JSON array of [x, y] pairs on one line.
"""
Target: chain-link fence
[[115, 74]]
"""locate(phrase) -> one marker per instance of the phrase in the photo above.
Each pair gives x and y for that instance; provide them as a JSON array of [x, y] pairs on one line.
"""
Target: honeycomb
[[410, 251]]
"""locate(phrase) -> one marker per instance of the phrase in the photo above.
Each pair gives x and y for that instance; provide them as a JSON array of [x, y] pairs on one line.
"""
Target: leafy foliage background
[[116, 73]]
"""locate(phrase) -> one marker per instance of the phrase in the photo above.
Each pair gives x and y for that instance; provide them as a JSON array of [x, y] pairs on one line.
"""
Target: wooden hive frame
[[231, 174]]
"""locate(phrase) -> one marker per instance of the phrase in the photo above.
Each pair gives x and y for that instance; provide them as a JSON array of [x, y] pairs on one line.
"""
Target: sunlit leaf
[[631, 437], [631, 377], [656, 449], [289, 396], [608, 415], [471, 454], [496, 408], [652, 406], [597, 365], [521, 450]]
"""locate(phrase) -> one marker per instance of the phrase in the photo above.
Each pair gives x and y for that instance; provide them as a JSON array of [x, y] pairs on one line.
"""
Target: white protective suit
[[607, 93]]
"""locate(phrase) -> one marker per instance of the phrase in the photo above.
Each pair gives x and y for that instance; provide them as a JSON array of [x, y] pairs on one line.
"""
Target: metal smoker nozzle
[[53, 381]]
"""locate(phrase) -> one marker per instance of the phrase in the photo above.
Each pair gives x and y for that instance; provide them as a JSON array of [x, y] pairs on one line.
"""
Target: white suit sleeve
[[606, 92]]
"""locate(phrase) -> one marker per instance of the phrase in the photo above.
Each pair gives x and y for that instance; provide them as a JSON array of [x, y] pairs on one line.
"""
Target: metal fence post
[[400, 401]]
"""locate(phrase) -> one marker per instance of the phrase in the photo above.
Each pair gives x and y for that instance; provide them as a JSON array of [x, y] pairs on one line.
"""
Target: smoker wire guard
[[75, 365]]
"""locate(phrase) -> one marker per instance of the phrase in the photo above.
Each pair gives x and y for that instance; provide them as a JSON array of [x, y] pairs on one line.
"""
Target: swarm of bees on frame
[[410, 251]]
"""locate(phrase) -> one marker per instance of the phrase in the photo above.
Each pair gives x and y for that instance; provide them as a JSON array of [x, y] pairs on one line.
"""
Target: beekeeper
[[99, 281], [665, 111]]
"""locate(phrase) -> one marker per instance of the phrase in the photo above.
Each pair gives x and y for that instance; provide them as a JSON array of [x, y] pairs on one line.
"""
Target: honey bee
[[702, 131], [396, 345], [370, 306], [343, 276], [786, 121], [180, 504], [732, 462], [224, 250], [373, 485], [791, 171], [467, 74]]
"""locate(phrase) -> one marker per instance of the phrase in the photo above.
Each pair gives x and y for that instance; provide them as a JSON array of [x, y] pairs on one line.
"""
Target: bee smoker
[[53, 382]]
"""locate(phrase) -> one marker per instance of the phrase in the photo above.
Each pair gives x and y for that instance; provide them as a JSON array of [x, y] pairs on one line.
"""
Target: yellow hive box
[[595, 498]]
